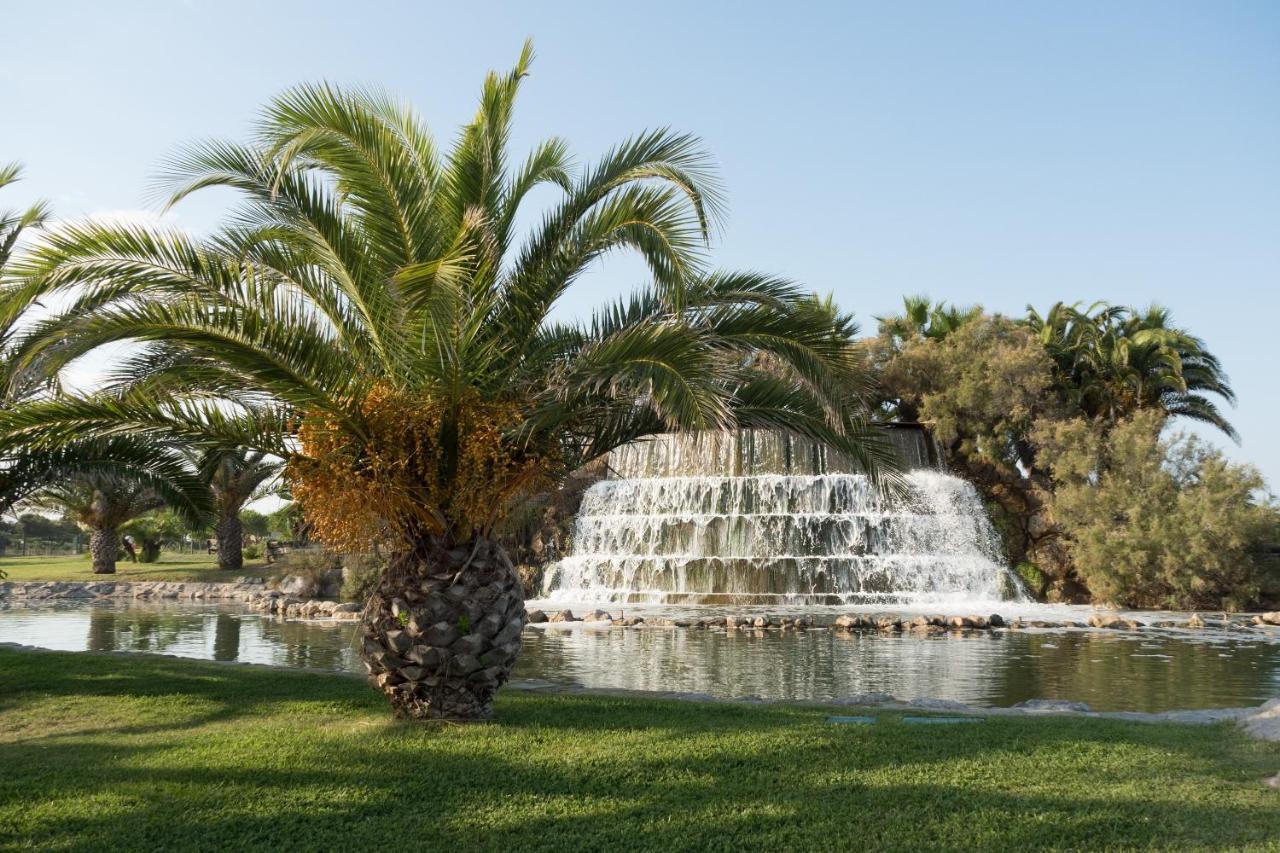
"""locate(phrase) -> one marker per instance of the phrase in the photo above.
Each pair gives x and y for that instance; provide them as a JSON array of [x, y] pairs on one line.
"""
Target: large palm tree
[[1112, 360], [236, 477], [371, 316]]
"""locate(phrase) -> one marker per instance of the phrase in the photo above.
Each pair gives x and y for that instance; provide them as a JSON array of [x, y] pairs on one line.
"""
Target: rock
[[1054, 705], [598, 616], [1115, 623], [563, 616], [1271, 618], [996, 620], [865, 699], [536, 617], [760, 622], [887, 623], [347, 607], [1264, 722], [960, 622], [938, 705], [849, 622]]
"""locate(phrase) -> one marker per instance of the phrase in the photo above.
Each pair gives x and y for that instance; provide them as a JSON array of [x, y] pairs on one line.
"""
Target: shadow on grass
[[239, 758]]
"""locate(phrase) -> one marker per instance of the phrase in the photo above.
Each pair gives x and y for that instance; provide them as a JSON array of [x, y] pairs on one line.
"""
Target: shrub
[[312, 565], [253, 551], [360, 576], [1159, 523]]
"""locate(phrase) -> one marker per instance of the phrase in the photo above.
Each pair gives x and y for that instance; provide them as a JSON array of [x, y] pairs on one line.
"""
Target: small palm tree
[[1111, 361], [372, 316], [104, 497], [236, 477]]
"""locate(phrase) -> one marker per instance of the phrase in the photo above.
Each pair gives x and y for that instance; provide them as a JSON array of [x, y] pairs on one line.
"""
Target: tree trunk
[[104, 544], [442, 631], [230, 535]]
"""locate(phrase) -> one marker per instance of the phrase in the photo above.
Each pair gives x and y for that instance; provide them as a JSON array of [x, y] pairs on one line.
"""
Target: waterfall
[[767, 517]]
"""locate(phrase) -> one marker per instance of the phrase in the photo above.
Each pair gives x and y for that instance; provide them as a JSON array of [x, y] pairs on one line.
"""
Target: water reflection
[[1147, 672]]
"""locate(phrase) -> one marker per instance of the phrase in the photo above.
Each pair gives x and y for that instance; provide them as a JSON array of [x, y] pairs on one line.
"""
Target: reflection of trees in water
[[303, 644], [814, 665], [1109, 671], [226, 637], [140, 630], [1146, 672], [994, 669]]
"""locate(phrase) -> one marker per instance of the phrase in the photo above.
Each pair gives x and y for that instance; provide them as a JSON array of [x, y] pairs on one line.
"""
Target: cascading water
[[756, 517]]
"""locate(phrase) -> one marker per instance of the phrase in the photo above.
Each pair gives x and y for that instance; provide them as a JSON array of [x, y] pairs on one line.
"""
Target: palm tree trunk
[[442, 632], [104, 544], [230, 535]]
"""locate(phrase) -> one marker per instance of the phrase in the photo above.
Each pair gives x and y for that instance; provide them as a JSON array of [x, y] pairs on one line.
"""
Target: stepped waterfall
[[764, 517]]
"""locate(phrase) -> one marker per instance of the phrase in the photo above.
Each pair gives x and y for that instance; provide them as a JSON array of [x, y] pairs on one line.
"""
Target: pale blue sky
[[1001, 153]]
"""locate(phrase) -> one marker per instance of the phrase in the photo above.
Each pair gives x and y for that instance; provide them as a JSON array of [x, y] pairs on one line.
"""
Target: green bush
[[1035, 580], [1159, 523], [360, 576], [252, 551]]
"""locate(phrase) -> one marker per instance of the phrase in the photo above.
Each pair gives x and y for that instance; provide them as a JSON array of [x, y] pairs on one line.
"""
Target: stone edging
[[32, 592], [253, 592]]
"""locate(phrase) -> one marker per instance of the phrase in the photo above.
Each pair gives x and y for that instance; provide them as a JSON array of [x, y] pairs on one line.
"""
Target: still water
[[1151, 671]]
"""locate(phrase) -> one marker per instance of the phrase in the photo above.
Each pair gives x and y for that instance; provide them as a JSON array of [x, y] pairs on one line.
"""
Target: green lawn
[[145, 753], [170, 567]]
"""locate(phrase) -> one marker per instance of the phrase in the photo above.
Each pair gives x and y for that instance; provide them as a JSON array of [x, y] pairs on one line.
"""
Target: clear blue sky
[[1001, 153]]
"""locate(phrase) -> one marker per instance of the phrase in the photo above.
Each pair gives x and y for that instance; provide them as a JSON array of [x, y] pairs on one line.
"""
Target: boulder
[[536, 617], [598, 616], [1271, 618], [563, 616], [1112, 622], [1054, 705]]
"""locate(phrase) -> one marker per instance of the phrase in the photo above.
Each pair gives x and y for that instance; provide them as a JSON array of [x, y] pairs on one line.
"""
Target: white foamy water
[[763, 517]]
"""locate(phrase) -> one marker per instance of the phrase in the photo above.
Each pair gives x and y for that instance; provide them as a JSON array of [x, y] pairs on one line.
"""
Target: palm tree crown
[[371, 296], [1112, 360]]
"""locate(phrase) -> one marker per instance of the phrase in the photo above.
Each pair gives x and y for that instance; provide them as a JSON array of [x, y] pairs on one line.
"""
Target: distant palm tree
[[101, 499], [921, 317], [1111, 361], [372, 317], [236, 477]]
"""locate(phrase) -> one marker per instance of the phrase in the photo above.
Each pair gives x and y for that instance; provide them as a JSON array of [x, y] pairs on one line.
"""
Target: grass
[[170, 567], [99, 752]]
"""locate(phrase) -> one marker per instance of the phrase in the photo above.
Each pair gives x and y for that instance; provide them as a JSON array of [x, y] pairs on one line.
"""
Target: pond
[[1112, 671]]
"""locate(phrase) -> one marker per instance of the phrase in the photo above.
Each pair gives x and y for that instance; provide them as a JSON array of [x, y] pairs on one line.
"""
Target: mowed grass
[[101, 752], [170, 567]]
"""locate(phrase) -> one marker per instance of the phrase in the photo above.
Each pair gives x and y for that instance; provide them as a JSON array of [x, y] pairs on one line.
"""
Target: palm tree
[[372, 317], [1111, 361], [104, 497], [236, 477], [923, 318]]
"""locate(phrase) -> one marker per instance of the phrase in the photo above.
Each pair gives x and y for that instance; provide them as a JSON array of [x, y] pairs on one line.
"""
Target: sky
[[1002, 153]]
